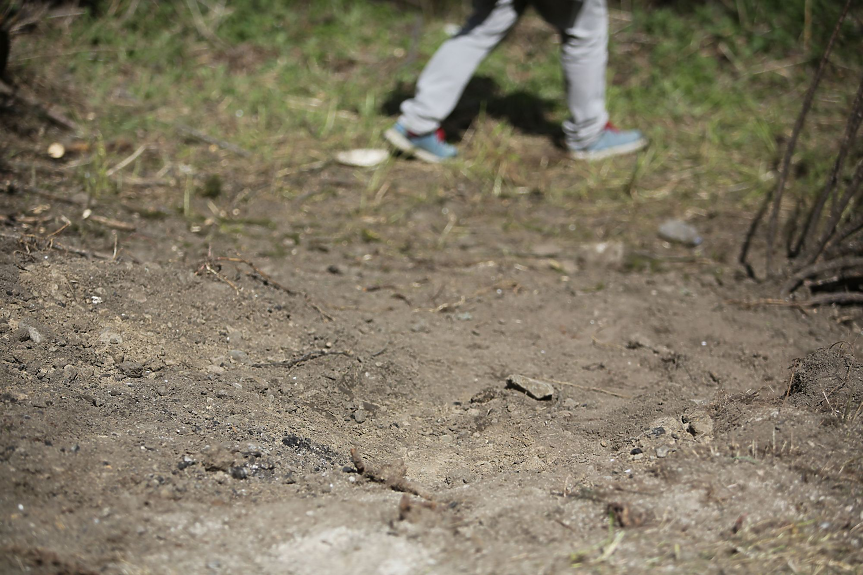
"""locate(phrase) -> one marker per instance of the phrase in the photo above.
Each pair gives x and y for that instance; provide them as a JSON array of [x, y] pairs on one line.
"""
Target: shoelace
[[611, 127]]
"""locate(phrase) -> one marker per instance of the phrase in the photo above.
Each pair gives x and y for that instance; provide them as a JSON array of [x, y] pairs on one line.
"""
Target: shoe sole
[[610, 152], [405, 146]]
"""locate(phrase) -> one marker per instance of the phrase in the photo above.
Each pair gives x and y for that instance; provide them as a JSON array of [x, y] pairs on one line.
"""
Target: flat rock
[[534, 388], [131, 369]]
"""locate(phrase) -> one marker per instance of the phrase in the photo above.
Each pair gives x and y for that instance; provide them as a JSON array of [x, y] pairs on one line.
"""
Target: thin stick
[[258, 271], [127, 161], [587, 388], [840, 263], [853, 190], [274, 283], [792, 143], [750, 235], [850, 132], [289, 363], [30, 240], [197, 134], [221, 277], [113, 224]]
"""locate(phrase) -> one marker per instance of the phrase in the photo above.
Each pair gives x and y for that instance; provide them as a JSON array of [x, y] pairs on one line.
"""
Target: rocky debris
[[28, 332], [698, 424], [360, 415], [92, 399], [217, 458], [639, 341], [235, 338], [154, 364], [680, 232], [625, 515], [131, 369], [109, 337], [535, 388], [239, 356], [485, 395], [666, 434], [186, 462], [460, 476]]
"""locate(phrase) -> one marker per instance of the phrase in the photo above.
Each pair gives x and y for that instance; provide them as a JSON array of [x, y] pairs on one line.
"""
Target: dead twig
[[289, 363], [588, 388], [199, 135], [132, 157], [267, 280], [221, 277], [111, 223], [812, 270], [33, 241], [391, 475], [792, 142]]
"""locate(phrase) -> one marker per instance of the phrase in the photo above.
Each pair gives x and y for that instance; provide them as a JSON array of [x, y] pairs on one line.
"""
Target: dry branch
[[776, 198], [199, 135], [822, 244]]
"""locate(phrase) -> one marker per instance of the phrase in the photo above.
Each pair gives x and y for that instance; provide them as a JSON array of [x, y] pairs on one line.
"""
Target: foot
[[611, 142], [429, 147]]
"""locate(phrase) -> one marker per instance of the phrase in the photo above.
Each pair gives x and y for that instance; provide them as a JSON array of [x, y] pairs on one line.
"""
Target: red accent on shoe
[[439, 133], [610, 126]]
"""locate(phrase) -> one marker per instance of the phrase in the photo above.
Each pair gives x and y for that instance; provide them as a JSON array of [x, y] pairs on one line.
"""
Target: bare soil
[[167, 410]]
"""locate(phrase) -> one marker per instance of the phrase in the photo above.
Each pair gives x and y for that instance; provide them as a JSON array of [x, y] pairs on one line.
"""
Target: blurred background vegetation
[[716, 85]]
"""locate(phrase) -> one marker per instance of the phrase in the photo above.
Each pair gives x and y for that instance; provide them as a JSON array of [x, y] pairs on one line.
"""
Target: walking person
[[583, 26]]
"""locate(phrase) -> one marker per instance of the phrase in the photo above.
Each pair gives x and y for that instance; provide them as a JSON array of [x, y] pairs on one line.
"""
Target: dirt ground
[[168, 410]]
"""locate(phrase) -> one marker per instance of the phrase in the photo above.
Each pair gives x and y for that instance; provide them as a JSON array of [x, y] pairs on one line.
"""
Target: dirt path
[[149, 426]]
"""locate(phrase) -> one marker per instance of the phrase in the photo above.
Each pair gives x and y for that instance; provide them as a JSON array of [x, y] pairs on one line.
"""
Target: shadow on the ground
[[525, 111]]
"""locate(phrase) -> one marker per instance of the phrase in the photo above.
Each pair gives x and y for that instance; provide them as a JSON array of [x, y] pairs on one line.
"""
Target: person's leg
[[445, 76], [584, 57], [583, 25]]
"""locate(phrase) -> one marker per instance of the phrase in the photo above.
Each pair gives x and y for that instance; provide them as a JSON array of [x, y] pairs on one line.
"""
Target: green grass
[[715, 87]]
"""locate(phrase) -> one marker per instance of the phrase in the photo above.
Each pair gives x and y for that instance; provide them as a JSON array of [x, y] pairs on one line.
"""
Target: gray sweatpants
[[584, 53]]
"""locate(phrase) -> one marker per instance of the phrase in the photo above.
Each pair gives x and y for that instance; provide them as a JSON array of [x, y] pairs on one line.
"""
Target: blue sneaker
[[429, 147], [612, 142]]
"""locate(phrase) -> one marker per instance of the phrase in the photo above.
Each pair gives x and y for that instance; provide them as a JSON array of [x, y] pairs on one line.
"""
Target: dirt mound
[[830, 381], [154, 416]]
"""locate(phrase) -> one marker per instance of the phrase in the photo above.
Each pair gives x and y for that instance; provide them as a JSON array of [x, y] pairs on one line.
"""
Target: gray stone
[[662, 451], [360, 415], [680, 232], [235, 338], [155, 364], [109, 337], [33, 334], [239, 356], [535, 388], [420, 327], [216, 458], [131, 369]]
